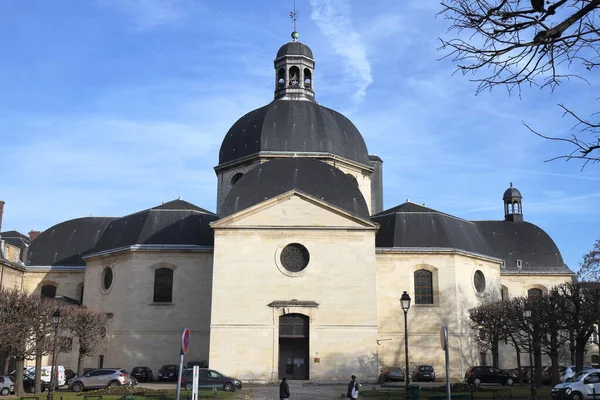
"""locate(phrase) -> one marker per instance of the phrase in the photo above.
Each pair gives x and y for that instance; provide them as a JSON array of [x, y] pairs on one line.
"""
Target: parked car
[[142, 374], [46, 371], [393, 374], [582, 386], [6, 386], [201, 364], [423, 373], [100, 378], [569, 371], [484, 374], [168, 373], [69, 373], [208, 379], [29, 384]]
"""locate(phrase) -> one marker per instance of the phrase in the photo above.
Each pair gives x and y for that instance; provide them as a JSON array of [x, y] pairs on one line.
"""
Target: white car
[[582, 386], [569, 372], [6, 386], [46, 371]]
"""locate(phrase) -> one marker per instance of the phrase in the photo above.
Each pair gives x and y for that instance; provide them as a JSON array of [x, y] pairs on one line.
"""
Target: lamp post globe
[[527, 313], [56, 320], [405, 304]]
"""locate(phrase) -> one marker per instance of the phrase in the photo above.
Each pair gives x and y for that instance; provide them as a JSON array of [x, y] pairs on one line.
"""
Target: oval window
[[294, 257], [107, 278], [479, 281]]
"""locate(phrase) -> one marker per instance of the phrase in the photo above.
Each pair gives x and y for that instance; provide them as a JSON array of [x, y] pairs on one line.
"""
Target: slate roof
[[414, 226], [176, 222], [67, 242], [293, 126], [16, 238], [294, 49], [308, 175], [523, 241]]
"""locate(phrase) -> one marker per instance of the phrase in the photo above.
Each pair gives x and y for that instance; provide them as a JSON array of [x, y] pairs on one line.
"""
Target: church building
[[300, 270]]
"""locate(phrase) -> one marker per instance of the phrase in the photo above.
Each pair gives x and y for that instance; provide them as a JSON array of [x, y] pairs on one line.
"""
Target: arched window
[[281, 78], [163, 285], [534, 292], [49, 291], [294, 76], [423, 287], [307, 78]]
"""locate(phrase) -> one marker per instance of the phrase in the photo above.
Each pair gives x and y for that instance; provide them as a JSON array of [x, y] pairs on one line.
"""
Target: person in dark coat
[[353, 386], [284, 389]]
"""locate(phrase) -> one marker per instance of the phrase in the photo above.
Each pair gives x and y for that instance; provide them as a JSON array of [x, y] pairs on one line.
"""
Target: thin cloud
[[334, 21]]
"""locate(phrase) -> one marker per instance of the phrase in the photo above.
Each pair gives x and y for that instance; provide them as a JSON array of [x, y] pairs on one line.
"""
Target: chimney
[[1, 212], [33, 234]]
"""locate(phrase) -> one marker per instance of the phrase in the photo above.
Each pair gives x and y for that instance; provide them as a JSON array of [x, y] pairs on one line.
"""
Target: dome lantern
[[294, 68], [513, 209]]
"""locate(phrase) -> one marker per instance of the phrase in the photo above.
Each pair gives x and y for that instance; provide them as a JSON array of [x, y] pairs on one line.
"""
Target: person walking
[[284, 389], [353, 389]]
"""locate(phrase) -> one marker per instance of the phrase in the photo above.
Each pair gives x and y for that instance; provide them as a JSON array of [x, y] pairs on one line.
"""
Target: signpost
[[195, 382], [444, 343], [185, 343]]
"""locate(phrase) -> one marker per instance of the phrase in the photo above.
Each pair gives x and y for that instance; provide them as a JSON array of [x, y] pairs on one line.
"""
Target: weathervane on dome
[[294, 17]]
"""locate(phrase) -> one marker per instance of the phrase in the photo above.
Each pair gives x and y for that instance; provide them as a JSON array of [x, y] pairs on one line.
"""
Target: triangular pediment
[[294, 209]]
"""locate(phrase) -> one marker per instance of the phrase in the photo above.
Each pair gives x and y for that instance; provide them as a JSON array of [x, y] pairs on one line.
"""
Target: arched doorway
[[293, 346]]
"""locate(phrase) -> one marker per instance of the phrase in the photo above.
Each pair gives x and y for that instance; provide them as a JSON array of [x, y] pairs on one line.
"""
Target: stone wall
[[142, 332], [454, 294]]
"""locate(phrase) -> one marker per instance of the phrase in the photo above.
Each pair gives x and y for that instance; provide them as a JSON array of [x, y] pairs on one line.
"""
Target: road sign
[[444, 337], [185, 340]]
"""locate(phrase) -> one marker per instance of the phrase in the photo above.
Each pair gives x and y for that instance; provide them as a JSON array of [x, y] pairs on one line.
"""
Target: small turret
[[513, 209], [294, 67]]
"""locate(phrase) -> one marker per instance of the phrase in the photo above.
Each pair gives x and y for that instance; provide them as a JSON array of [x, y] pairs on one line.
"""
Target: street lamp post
[[56, 320], [527, 314], [405, 303]]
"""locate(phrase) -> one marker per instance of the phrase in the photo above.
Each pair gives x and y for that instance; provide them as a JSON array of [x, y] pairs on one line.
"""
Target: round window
[[107, 278], [479, 281], [294, 257]]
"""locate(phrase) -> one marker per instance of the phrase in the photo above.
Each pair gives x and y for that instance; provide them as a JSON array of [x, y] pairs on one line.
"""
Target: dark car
[[424, 373], [69, 373], [393, 374], [168, 373], [29, 384], [484, 374], [142, 374], [209, 379]]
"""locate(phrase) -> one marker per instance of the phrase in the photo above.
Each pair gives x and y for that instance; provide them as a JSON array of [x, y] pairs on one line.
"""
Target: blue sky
[[108, 107]]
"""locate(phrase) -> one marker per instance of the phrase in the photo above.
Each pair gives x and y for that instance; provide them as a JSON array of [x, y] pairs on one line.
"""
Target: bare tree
[[581, 311], [590, 267], [490, 321], [514, 42], [88, 327], [18, 311]]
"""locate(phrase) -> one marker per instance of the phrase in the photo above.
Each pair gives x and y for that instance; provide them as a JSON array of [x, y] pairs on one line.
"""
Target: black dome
[[512, 193], [308, 175], [294, 49], [526, 242], [294, 126]]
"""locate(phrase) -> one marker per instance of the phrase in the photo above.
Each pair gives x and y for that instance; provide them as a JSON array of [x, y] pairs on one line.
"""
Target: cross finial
[[294, 17], [511, 184]]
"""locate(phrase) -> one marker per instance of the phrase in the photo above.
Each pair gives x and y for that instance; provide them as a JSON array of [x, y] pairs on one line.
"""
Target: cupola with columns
[[513, 209], [294, 71]]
